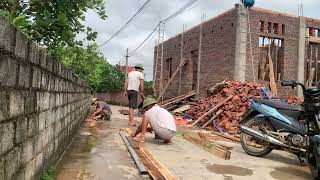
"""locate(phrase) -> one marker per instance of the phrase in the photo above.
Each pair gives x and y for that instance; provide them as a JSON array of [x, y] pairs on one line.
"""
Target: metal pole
[[181, 58], [127, 57], [161, 70], [156, 65], [199, 56]]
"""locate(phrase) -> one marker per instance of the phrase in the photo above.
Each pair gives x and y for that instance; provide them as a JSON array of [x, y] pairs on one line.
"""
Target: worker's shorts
[[106, 115], [133, 99], [162, 133]]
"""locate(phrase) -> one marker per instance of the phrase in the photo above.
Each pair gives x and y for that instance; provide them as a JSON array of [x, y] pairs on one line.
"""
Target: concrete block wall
[[42, 104]]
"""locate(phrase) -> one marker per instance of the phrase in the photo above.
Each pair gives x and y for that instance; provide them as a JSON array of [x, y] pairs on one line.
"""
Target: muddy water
[[98, 154], [290, 173], [229, 169]]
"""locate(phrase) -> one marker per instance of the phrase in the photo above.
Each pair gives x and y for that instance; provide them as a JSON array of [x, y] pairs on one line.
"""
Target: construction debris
[[124, 111], [232, 110], [155, 169], [294, 100]]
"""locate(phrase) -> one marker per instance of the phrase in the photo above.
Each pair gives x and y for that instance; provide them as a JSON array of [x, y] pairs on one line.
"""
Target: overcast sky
[[120, 11]]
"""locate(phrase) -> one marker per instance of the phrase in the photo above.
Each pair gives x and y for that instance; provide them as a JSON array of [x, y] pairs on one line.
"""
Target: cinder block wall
[[42, 104]]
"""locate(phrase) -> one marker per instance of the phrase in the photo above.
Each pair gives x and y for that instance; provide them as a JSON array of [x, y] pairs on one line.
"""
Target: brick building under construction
[[225, 51]]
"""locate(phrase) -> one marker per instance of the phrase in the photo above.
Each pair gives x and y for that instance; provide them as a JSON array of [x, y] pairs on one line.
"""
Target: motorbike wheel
[[314, 165], [254, 146]]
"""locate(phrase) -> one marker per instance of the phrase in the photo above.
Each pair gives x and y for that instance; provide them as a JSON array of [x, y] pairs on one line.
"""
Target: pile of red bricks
[[294, 100], [231, 112]]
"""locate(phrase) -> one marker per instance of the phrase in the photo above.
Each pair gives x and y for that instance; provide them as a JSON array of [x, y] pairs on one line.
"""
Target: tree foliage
[[92, 67], [57, 24], [53, 22]]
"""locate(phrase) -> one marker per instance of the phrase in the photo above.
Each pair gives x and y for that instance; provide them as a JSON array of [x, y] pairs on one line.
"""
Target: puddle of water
[[290, 173], [229, 169]]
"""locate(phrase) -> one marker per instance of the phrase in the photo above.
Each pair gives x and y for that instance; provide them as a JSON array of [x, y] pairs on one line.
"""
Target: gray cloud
[[119, 11]]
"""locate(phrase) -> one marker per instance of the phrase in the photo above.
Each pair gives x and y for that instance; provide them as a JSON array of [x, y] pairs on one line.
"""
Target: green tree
[[53, 22], [91, 66]]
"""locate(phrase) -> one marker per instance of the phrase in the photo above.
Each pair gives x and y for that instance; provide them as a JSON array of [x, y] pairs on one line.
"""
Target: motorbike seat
[[280, 105]]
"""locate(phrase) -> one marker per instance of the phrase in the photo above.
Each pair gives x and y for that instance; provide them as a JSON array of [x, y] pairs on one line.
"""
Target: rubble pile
[[231, 111], [294, 100]]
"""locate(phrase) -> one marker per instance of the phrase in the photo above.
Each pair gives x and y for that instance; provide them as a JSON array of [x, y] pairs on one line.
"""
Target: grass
[[49, 174]]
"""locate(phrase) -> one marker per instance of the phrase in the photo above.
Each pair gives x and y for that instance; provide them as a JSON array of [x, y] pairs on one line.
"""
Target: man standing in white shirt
[[133, 85], [160, 120]]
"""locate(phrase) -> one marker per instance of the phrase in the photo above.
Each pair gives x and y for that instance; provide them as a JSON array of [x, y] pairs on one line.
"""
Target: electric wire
[[126, 24]]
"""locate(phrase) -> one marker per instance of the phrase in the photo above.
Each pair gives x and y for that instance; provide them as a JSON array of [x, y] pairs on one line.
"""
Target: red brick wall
[[217, 62]]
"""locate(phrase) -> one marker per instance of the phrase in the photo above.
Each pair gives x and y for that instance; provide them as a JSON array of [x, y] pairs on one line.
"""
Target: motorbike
[[272, 124]]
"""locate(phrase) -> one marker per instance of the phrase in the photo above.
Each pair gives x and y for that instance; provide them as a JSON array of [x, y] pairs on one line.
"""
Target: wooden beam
[[182, 109], [205, 137], [226, 136], [136, 159], [314, 39], [210, 111], [161, 168], [217, 114], [180, 99], [171, 79], [273, 85], [209, 146]]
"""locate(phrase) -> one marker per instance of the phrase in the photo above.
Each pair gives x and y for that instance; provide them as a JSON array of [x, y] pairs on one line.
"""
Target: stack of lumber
[[144, 158], [233, 100], [177, 102]]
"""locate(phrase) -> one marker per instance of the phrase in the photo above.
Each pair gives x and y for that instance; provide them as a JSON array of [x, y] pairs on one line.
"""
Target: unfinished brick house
[[225, 51]]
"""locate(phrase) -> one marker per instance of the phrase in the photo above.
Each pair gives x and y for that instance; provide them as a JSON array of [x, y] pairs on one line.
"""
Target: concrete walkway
[[99, 154], [104, 156]]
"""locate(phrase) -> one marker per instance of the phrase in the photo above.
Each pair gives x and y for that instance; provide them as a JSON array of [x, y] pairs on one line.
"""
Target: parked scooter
[[272, 124]]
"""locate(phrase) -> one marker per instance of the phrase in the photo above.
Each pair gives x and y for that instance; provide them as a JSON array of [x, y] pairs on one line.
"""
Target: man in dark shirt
[[102, 109]]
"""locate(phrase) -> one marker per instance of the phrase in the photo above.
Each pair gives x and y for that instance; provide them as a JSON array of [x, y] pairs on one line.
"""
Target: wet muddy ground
[[98, 154]]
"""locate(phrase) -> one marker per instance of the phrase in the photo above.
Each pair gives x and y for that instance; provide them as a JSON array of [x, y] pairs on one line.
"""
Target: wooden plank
[[217, 114], [208, 146], [180, 99], [311, 77], [225, 146], [182, 109], [161, 168], [273, 85], [210, 111], [171, 79], [226, 136], [314, 39], [135, 157]]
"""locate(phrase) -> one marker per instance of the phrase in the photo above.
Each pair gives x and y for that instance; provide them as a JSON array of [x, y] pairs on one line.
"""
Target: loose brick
[[8, 69], [7, 35], [6, 137], [16, 106], [21, 47]]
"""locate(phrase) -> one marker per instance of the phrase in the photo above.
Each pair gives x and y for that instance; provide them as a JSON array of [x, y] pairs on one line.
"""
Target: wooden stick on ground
[[210, 147], [217, 114], [226, 136], [210, 111], [273, 85]]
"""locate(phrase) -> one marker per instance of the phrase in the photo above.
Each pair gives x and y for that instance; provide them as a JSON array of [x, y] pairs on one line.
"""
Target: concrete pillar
[[241, 45], [301, 53]]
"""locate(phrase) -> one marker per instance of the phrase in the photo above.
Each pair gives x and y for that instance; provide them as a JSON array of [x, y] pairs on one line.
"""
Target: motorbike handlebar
[[293, 84]]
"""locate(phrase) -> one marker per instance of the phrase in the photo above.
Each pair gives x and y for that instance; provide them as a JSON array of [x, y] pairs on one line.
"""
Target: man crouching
[[160, 120]]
